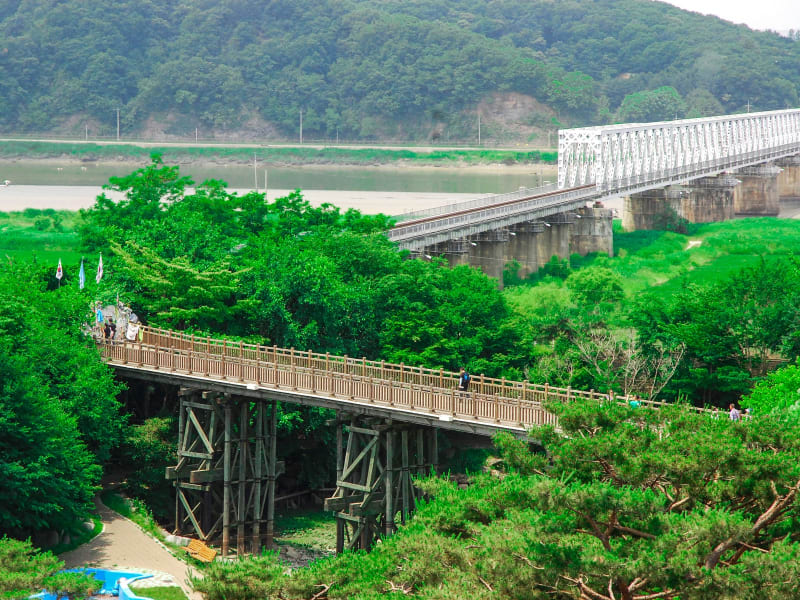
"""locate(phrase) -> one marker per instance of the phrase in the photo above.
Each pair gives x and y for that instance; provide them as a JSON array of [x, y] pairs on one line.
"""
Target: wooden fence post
[[241, 360]]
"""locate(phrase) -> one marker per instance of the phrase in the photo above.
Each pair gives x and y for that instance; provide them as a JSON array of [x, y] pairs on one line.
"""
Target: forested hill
[[377, 68]]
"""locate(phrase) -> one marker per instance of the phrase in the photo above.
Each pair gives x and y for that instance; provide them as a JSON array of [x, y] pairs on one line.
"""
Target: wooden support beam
[[205, 475]]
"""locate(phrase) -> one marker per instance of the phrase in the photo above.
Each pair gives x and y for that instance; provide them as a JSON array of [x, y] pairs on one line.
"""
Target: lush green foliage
[[778, 392], [25, 571], [58, 411], [704, 321], [630, 503], [364, 68]]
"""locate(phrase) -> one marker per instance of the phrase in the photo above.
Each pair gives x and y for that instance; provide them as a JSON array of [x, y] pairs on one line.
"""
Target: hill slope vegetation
[[376, 68]]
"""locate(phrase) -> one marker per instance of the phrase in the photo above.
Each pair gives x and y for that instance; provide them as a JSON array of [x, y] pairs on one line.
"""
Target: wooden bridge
[[356, 385], [227, 455]]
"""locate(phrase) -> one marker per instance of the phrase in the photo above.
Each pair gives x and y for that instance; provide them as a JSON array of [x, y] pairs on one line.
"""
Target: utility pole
[[748, 105], [86, 133], [337, 135], [301, 125], [479, 129], [265, 184], [195, 135], [117, 124], [255, 172]]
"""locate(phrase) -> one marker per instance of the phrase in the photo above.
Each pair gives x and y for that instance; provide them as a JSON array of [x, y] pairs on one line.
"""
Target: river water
[[391, 190]]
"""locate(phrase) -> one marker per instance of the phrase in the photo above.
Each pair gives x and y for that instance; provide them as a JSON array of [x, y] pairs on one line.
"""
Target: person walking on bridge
[[463, 380]]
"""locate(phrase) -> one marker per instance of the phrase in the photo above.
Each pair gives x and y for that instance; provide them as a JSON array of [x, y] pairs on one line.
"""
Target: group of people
[[734, 414], [106, 327]]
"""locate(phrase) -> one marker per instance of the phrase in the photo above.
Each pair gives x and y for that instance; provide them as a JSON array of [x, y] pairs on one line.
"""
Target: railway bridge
[[387, 420], [702, 170]]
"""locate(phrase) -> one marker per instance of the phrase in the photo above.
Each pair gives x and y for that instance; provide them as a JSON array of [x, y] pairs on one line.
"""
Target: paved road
[[122, 545]]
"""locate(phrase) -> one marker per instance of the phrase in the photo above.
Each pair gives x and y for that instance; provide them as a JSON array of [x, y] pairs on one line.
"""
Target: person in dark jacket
[[463, 380]]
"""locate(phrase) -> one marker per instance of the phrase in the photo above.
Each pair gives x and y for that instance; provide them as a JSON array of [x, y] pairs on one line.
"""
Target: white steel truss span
[[638, 156]]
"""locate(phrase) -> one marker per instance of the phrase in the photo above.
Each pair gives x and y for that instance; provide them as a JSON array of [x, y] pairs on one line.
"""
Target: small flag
[[82, 276], [99, 270], [59, 271]]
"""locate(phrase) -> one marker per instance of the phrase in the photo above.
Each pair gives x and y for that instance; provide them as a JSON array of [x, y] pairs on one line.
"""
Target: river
[[71, 185]]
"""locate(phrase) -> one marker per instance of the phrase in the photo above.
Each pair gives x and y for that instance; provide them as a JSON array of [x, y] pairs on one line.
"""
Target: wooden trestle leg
[[371, 487], [225, 475]]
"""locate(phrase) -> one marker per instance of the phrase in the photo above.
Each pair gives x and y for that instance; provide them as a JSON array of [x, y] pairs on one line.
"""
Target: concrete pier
[[710, 199], [757, 195], [592, 232], [523, 246], [789, 178], [652, 209], [531, 244]]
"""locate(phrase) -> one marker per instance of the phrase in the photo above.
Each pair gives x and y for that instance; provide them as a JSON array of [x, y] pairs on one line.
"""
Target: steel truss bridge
[[597, 163], [227, 456]]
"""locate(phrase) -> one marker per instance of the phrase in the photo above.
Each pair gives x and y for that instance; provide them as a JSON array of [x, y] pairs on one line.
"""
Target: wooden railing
[[501, 402]]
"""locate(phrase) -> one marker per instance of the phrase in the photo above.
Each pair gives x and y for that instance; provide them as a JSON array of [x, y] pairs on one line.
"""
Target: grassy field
[[269, 154], [42, 236], [671, 261]]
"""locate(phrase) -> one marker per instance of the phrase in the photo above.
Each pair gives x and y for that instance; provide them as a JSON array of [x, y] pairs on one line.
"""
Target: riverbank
[[278, 155]]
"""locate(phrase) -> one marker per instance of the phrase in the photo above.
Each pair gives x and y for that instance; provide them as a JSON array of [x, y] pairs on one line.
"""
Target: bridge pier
[[704, 200], [554, 239], [523, 246], [532, 243], [487, 252], [374, 471], [789, 178], [652, 209], [592, 232], [757, 195], [225, 475], [709, 199]]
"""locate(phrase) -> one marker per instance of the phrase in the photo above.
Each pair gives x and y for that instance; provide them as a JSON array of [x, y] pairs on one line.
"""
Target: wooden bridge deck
[[357, 385]]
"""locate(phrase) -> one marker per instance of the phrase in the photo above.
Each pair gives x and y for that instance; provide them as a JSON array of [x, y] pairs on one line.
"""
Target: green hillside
[[376, 69]]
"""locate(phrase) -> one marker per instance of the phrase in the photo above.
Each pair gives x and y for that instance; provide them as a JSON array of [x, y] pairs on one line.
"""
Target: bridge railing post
[[207, 360], [241, 360], [292, 368]]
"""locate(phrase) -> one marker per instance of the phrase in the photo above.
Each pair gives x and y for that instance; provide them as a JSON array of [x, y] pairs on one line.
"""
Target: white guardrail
[[446, 209], [490, 213]]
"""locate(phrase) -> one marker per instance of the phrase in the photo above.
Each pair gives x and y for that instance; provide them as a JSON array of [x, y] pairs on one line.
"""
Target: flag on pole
[[59, 271], [82, 276], [99, 269]]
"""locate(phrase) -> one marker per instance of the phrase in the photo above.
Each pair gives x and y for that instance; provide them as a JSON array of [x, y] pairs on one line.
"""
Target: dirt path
[[122, 545]]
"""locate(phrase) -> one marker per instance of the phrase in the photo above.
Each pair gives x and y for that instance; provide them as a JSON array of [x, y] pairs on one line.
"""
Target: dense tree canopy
[[58, 411], [367, 68]]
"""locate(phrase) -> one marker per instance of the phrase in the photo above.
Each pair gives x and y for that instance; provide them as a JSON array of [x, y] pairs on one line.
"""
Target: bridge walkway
[[356, 385]]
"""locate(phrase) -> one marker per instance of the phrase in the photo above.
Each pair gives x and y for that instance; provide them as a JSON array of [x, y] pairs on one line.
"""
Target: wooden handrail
[[419, 389]]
